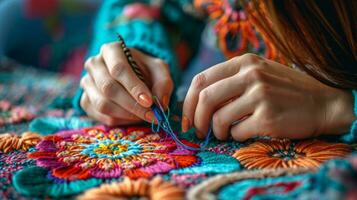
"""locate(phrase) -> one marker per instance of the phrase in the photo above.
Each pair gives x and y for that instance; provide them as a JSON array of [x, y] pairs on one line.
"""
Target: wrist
[[339, 114]]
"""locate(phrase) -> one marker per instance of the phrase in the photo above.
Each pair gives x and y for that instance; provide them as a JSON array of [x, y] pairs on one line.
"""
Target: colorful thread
[[10, 114], [207, 188], [10, 142], [159, 111], [156, 189], [110, 153], [285, 153]]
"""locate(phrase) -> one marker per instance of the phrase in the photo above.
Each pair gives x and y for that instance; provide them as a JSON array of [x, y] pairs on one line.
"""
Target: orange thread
[[156, 189], [264, 154], [10, 142]]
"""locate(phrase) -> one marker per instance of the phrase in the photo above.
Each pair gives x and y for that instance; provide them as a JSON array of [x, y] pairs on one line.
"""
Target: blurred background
[[47, 34]]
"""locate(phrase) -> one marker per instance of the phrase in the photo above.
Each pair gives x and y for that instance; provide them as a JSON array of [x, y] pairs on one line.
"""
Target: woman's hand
[[251, 96], [114, 95]]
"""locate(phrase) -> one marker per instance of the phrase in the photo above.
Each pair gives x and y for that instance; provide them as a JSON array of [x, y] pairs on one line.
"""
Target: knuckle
[[117, 70], [108, 87], [107, 47], [204, 96], [84, 81], [89, 62], [218, 121], [250, 58], [199, 80], [255, 74], [102, 106]]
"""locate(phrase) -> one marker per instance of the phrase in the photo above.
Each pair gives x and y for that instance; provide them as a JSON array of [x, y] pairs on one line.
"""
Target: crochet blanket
[[47, 152]]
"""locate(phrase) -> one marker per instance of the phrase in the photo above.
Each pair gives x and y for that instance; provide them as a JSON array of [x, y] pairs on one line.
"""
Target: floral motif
[[285, 153], [156, 189], [100, 152], [10, 114], [10, 142]]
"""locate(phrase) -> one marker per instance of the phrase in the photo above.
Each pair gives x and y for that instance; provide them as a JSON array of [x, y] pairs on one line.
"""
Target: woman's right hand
[[114, 95]]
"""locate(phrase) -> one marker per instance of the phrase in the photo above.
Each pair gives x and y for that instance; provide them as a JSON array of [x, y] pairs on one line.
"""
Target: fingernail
[[165, 101], [149, 116], [145, 100], [185, 124]]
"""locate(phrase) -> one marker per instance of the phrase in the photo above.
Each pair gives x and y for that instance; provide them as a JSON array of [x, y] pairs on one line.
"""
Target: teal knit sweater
[[149, 36], [152, 37]]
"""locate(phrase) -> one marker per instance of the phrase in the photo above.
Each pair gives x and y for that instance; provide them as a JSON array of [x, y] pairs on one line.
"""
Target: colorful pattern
[[10, 142], [285, 153], [110, 153], [156, 189], [9, 164], [10, 114]]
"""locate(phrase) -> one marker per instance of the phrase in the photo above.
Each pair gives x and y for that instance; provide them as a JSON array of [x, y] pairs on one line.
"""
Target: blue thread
[[132, 149], [164, 123]]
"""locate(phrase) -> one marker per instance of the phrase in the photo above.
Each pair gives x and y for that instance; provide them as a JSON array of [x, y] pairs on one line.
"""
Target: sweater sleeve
[[351, 136], [147, 35]]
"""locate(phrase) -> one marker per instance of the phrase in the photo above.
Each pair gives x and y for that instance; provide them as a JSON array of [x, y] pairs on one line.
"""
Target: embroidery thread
[[156, 189], [104, 153], [273, 154]]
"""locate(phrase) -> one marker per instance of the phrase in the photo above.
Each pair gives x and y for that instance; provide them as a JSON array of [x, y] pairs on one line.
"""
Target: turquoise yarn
[[351, 136], [211, 163], [33, 182], [50, 125]]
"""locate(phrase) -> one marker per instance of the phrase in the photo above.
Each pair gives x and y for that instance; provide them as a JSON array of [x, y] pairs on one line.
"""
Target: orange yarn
[[264, 154], [10, 142], [156, 189]]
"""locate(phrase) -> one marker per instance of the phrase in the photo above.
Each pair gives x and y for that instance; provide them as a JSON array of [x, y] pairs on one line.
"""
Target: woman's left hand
[[251, 96]]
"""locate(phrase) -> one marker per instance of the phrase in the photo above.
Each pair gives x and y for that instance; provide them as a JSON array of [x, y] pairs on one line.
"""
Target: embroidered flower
[[10, 142], [111, 153], [156, 189], [10, 114], [285, 153]]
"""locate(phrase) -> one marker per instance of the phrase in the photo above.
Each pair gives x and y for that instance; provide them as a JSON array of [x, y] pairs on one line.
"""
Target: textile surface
[[48, 152]]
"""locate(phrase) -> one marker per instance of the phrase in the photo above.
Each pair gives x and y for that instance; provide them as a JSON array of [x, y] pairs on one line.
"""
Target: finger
[[201, 81], [230, 114], [213, 97], [111, 89], [121, 71], [246, 129], [160, 75], [107, 120], [102, 104]]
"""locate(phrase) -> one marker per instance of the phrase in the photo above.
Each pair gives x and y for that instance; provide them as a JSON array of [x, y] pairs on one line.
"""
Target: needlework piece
[[10, 163], [10, 114], [10, 142], [100, 152], [273, 154], [155, 189], [210, 186]]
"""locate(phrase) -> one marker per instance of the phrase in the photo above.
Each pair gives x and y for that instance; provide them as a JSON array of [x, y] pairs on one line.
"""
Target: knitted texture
[[73, 161], [110, 153], [156, 189], [351, 136], [284, 153]]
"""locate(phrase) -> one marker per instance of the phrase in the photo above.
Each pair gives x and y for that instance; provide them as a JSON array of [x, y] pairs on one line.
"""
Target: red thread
[[286, 187]]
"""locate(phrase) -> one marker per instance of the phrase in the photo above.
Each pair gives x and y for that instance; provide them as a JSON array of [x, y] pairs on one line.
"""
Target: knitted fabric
[[87, 162], [351, 136]]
